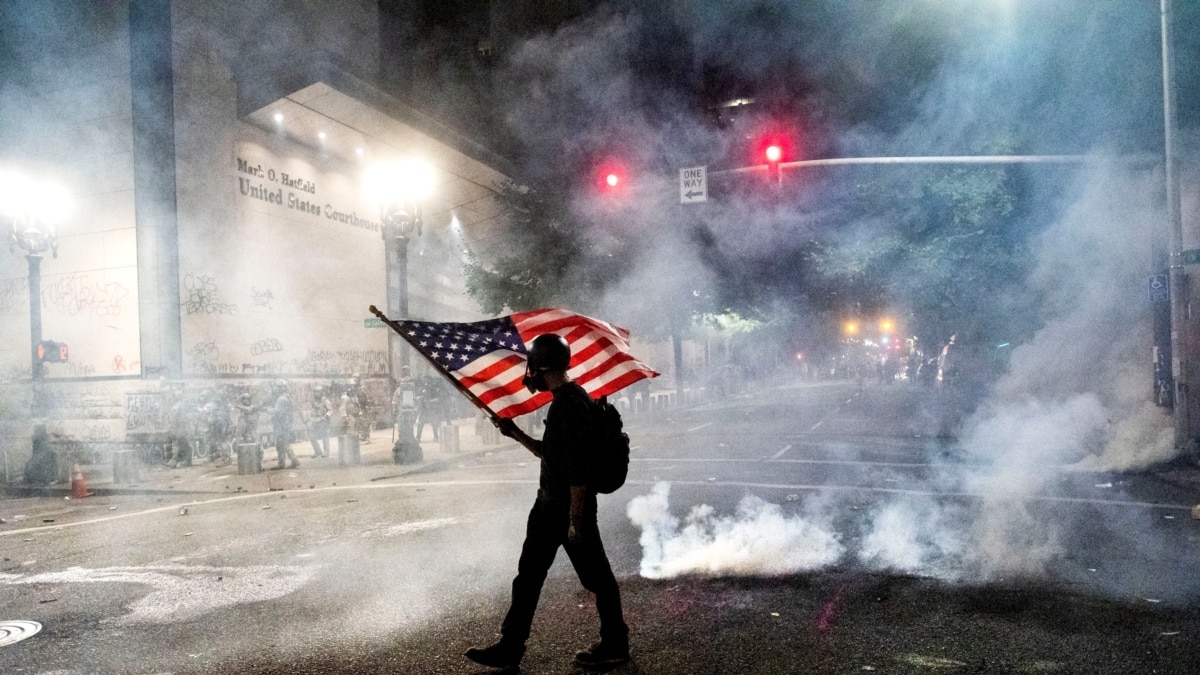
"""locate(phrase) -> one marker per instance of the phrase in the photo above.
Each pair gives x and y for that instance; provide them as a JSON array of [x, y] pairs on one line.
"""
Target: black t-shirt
[[568, 421]]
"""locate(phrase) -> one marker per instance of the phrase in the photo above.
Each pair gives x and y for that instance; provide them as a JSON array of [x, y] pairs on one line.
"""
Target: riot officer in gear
[[247, 429], [247, 420], [281, 426], [181, 423], [318, 422], [364, 411], [352, 418]]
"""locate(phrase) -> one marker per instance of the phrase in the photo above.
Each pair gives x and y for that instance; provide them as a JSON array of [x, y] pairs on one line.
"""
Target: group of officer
[[418, 402], [208, 420]]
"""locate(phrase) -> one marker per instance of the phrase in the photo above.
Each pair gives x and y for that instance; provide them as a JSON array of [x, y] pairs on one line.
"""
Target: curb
[[65, 491]]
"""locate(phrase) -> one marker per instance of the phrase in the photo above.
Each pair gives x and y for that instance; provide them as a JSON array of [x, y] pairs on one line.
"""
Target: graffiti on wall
[[264, 346], [261, 297], [79, 294], [325, 362], [14, 294], [143, 412], [204, 297]]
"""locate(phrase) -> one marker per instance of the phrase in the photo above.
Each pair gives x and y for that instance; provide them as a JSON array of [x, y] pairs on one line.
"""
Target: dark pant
[[318, 435], [544, 533], [283, 446], [183, 450]]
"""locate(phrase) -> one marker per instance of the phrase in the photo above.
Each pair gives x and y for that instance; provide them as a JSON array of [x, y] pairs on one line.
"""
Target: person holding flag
[[570, 358]]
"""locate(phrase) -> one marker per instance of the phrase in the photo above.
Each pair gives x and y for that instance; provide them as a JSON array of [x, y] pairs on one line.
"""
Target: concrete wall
[[179, 272]]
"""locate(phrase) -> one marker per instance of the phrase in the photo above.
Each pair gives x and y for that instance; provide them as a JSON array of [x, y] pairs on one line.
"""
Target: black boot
[[499, 655], [603, 655]]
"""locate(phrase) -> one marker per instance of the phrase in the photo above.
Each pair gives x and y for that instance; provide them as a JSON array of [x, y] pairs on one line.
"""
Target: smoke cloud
[[922, 79], [1073, 400], [759, 539]]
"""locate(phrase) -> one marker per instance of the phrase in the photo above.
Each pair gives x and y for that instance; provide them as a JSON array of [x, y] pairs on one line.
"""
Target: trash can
[[249, 458], [349, 449], [448, 435], [126, 466]]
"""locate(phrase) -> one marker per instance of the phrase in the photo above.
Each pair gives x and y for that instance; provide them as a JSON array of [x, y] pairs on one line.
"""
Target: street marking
[[699, 427], [406, 528], [781, 452], [182, 592], [261, 495], [776, 458], [921, 493], [518, 482], [12, 632]]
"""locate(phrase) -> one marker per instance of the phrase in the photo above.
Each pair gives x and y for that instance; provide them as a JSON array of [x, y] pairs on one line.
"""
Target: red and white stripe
[[600, 362]]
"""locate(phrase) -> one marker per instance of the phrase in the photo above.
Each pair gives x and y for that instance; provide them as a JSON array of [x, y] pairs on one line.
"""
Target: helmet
[[549, 351]]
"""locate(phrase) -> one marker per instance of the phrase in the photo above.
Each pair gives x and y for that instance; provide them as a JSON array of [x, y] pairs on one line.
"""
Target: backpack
[[610, 447]]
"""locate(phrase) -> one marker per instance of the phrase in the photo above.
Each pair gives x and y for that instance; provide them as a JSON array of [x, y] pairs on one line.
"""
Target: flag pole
[[437, 367]]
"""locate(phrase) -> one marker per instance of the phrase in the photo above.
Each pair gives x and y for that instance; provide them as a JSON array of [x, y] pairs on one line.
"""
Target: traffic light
[[611, 177], [773, 149], [49, 351]]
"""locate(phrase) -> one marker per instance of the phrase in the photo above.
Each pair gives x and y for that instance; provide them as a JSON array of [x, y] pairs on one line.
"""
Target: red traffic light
[[609, 177], [774, 153]]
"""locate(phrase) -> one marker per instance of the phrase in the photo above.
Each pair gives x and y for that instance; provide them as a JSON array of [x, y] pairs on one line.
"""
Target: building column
[[152, 84]]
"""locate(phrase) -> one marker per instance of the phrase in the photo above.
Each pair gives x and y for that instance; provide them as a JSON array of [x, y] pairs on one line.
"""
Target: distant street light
[[35, 207]]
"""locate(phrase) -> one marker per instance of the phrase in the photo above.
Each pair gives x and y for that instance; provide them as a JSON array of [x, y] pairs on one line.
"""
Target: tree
[[947, 245], [546, 257]]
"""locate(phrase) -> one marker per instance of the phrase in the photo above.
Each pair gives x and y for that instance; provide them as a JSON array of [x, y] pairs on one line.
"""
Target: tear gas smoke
[[1072, 400], [915, 536], [758, 540], [1075, 395]]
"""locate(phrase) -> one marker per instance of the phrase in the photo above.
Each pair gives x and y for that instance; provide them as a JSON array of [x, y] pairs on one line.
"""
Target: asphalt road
[[811, 528]]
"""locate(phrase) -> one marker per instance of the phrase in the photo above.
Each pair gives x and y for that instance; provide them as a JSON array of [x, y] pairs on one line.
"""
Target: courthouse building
[[214, 152]]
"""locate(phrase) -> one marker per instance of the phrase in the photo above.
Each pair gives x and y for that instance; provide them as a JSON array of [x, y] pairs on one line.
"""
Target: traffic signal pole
[[948, 159], [1181, 359]]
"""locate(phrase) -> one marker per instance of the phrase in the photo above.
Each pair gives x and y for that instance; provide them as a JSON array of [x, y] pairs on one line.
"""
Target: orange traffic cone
[[78, 487]]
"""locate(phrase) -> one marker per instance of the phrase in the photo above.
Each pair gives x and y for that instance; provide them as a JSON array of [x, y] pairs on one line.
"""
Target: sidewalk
[[221, 476]]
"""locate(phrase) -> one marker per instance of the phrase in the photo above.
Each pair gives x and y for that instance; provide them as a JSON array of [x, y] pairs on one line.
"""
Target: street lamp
[[35, 208], [399, 188]]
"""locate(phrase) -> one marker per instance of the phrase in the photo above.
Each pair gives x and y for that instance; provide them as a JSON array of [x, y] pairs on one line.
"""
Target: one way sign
[[693, 185]]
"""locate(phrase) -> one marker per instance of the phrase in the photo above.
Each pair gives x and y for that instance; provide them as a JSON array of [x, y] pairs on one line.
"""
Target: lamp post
[[398, 189], [35, 208]]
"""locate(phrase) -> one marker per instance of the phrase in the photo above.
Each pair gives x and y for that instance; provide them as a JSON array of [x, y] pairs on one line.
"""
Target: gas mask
[[535, 382]]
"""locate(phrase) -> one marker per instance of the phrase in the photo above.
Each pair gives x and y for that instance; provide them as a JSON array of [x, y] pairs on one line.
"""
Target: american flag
[[488, 357]]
